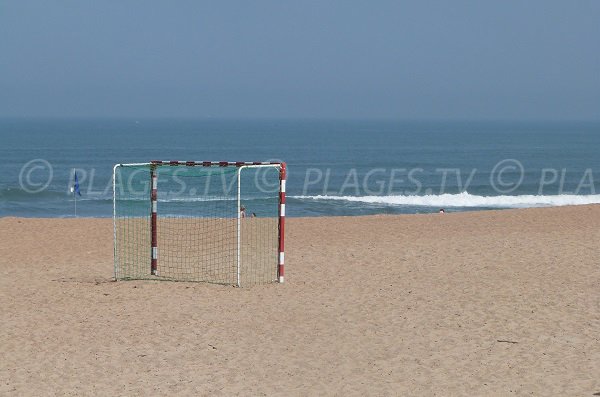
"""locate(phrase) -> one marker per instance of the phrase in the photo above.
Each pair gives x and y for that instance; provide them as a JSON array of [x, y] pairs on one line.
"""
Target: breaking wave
[[466, 200]]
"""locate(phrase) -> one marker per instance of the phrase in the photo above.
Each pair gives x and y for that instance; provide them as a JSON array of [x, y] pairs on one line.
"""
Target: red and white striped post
[[282, 178], [153, 224]]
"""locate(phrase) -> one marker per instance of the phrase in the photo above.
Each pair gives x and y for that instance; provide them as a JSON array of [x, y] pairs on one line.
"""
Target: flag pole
[[74, 199], [76, 191]]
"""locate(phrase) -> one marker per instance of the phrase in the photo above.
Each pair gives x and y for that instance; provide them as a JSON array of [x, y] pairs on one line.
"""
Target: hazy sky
[[315, 59]]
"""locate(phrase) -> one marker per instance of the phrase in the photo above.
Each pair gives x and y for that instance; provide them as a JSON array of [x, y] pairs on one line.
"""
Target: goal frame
[[239, 165]]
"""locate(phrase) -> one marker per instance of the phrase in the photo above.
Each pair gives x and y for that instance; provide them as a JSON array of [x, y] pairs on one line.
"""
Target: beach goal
[[217, 222]]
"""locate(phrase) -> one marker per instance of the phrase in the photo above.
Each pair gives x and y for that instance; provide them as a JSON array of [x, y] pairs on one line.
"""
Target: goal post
[[218, 222]]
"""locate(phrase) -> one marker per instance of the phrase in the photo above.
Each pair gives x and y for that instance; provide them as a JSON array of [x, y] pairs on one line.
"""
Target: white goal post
[[212, 221]]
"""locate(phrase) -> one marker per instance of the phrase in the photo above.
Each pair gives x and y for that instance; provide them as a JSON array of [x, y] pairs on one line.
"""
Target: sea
[[334, 167]]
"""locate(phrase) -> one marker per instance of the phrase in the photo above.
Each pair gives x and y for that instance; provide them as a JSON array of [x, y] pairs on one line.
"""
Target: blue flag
[[76, 186]]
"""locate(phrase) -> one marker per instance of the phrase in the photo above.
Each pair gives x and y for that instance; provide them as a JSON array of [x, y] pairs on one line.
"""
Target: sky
[[348, 59]]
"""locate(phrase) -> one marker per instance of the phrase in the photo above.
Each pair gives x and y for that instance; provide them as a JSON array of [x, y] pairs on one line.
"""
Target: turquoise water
[[334, 167]]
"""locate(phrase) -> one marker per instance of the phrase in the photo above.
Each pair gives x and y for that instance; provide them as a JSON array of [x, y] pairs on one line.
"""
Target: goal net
[[218, 222]]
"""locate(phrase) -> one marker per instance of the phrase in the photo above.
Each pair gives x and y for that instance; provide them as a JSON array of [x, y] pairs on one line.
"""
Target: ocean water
[[334, 167]]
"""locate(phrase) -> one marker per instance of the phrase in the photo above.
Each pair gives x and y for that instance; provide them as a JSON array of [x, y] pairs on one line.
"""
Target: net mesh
[[202, 234]]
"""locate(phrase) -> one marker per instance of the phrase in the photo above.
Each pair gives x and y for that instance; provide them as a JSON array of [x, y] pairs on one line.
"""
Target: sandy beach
[[480, 303]]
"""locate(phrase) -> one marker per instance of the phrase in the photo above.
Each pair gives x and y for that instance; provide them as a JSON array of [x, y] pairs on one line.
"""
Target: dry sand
[[482, 303]]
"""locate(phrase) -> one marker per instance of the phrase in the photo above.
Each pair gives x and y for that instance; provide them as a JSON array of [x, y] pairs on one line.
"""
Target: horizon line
[[297, 118]]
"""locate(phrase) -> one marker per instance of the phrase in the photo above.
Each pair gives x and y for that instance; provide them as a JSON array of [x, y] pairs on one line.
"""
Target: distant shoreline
[[448, 212]]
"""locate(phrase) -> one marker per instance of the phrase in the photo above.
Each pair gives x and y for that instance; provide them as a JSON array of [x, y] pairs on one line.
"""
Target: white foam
[[467, 200]]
